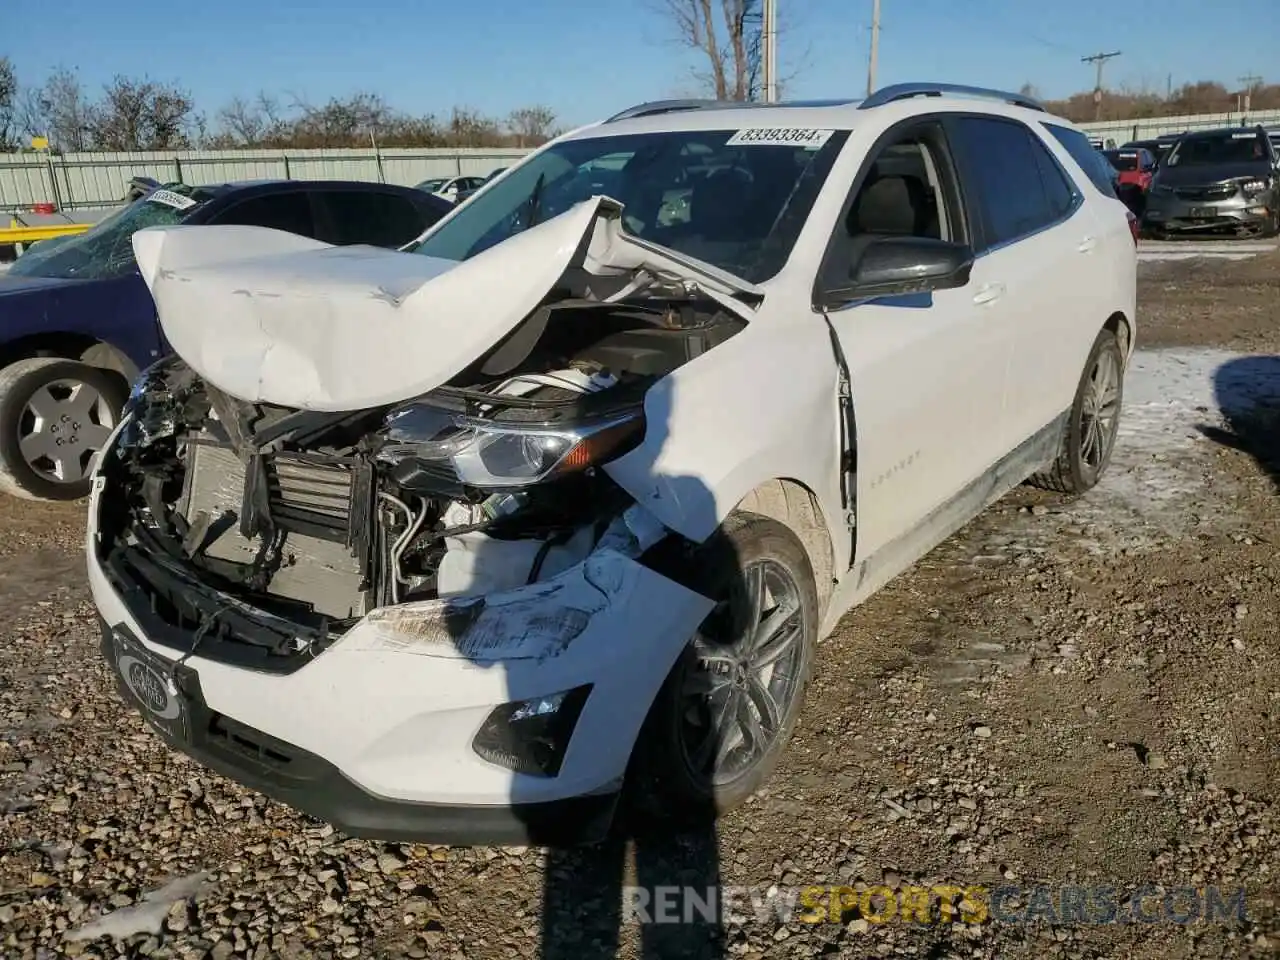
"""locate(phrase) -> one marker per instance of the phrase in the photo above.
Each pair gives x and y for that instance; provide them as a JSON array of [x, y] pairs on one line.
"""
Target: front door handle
[[1087, 244], [989, 293]]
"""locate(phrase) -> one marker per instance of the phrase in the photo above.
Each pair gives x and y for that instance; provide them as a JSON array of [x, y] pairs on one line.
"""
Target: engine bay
[[486, 483]]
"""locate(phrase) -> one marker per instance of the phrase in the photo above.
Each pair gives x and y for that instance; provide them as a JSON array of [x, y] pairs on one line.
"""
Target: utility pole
[[769, 50], [875, 47], [1248, 83], [1099, 60]]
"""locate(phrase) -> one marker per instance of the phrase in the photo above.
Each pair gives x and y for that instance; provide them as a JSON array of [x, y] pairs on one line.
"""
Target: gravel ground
[[1064, 693]]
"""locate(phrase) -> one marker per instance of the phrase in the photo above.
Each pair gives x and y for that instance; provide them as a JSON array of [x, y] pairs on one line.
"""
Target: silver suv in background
[[1217, 181]]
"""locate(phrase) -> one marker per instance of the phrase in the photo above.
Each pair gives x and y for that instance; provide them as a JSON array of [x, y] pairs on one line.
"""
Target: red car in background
[[1135, 169]]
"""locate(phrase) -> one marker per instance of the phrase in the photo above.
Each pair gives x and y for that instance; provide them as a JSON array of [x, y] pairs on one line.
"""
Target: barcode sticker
[[170, 199], [805, 137]]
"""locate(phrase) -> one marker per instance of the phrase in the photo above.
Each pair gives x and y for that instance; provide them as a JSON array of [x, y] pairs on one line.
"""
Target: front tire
[[1272, 227], [1092, 424], [728, 707], [54, 415]]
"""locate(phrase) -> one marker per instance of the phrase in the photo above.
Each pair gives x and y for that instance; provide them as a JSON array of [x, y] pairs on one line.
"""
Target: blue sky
[[587, 59]]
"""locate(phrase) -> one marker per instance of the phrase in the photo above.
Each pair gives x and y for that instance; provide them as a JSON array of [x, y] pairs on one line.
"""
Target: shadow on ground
[[1247, 392]]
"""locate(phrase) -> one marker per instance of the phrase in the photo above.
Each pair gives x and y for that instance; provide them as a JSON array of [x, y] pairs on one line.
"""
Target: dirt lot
[[1081, 693]]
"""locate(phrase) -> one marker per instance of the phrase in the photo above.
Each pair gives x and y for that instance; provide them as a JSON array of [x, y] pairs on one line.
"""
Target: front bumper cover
[[314, 786], [378, 727], [1175, 214]]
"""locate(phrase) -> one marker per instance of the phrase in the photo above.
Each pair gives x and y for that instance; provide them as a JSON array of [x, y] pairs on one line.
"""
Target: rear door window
[[1015, 180], [374, 217], [280, 211]]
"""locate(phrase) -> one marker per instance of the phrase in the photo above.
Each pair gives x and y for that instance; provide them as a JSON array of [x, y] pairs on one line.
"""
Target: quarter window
[[1093, 163]]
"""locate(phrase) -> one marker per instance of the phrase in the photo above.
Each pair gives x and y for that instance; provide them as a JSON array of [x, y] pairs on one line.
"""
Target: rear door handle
[[1087, 244], [989, 293]]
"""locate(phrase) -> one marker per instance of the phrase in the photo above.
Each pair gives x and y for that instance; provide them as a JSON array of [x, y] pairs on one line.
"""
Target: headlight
[[1252, 188], [489, 454]]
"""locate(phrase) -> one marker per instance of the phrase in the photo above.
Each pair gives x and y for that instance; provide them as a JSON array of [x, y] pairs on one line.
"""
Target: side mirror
[[891, 266]]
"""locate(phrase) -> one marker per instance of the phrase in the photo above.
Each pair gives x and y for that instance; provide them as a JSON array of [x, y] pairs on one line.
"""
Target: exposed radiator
[[311, 501]]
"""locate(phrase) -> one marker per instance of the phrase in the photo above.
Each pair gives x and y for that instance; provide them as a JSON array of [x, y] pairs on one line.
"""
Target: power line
[[875, 47], [1099, 60]]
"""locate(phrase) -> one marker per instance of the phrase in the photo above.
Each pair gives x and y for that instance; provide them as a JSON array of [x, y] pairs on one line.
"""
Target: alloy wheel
[[1100, 412], [737, 696]]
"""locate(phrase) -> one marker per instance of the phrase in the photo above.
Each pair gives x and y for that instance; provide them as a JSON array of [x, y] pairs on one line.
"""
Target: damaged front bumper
[[376, 731], [1224, 210]]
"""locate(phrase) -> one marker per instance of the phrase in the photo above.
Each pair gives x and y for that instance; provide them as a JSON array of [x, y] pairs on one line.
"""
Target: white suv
[[446, 544]]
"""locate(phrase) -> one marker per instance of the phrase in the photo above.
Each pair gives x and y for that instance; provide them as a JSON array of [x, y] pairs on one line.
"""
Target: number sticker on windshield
[[171, 199], [780, 137]]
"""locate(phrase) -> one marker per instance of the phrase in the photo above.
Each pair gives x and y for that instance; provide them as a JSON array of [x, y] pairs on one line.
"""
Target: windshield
[[1224, 148], [105, 251], [733, 200], [431, 186], [1122, 161]]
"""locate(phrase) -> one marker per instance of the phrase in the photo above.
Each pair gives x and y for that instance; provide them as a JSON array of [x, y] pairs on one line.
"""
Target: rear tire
[[62, 409], [672, 781], [1092, 423]]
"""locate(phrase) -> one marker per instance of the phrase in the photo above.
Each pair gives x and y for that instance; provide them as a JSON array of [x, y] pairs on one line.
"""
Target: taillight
[[1135, 230]]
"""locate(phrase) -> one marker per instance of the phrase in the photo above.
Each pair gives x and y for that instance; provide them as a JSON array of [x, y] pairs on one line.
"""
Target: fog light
[[531, 736]]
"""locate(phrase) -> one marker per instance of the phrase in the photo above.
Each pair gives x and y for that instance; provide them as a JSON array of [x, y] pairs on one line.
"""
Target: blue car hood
[[10, 285]]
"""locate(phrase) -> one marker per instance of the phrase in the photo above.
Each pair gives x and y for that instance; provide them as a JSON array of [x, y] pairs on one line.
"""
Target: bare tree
[[141, 115], [60, 109], [242, 122], [726, 37], [532, 126], [8, 105], [342, 123]]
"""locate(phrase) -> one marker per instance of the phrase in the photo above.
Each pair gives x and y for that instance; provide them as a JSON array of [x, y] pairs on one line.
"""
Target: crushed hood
[[271, 317]]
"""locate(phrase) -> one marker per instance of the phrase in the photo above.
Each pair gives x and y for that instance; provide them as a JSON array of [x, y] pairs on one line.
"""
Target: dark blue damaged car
[[77, 322]]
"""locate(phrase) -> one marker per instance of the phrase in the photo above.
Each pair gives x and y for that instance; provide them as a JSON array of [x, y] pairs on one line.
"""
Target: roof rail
[[905, 91], [654, 107]]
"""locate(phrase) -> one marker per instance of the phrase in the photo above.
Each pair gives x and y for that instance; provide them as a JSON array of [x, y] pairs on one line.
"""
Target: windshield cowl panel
[[105, 251], [718, 197]]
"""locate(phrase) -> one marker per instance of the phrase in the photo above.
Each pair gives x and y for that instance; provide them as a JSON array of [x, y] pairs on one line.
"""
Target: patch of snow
[[1161, 482], [146, 916]]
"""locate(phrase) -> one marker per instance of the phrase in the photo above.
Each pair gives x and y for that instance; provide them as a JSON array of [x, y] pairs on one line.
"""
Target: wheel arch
[[71, 346], [797, 507]]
